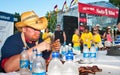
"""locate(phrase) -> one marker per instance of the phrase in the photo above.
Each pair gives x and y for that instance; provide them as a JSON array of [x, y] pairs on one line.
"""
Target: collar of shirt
[[28, 41]]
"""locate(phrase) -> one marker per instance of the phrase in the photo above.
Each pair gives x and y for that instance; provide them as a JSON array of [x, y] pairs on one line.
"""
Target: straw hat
[[30, 19]]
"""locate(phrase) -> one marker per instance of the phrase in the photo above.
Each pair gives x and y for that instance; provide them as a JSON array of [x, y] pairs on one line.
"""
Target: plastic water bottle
[[69, 67], [32, 57], [39, 65], [24, 62], [63, 52], [70, 48], [86, 54], [55, 65], [93, 53]]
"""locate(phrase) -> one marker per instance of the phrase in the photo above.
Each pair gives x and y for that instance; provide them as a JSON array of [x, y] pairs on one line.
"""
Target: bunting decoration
[[65, 6], [56, 8], [73, 2]]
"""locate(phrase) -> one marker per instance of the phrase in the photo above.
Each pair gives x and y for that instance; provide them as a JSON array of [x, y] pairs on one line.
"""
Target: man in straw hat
[[29, 37]]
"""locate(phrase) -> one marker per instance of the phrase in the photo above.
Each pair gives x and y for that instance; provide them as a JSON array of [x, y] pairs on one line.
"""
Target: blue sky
[[39, 6]]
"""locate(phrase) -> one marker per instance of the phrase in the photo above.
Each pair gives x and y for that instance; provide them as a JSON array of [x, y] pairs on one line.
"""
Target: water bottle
[[69, 67], [70, 50], [55, 65], [93, 53], [32, 57], [24, 62], [63, 52], [86, 54], [39, 65]]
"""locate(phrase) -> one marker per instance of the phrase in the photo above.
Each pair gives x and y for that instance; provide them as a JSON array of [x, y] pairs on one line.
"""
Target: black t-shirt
[[59, 35]]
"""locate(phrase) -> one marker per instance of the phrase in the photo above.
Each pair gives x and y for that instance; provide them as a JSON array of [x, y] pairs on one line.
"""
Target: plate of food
[[98, 69]]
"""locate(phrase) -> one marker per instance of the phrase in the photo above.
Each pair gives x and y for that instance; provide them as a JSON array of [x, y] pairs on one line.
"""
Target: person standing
[[86, 37], [76, 42], [47, 36], [60, 34], [97, 38], [107, 36]]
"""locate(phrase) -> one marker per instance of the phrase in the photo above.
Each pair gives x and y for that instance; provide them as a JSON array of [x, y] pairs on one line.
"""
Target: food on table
[[85, 70]]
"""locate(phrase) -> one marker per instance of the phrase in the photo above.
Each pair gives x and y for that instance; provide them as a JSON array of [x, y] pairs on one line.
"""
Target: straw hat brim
[[40, 24]]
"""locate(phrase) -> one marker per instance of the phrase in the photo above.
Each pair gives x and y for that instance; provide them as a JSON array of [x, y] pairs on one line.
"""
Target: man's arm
[[13, 63], [64, 36]]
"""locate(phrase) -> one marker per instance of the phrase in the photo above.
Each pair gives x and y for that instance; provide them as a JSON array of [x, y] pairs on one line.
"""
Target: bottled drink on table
[[32, 57], [92, 53], [86, 54], [69, 67], [55, 65], [70, 50], [39, 65], [63, 52], [24, 62]]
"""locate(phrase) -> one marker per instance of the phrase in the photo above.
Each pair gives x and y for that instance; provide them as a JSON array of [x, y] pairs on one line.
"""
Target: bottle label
[[92, 55], [42, 73], [63, 53], [24, 63], [86, 55], [30, 66]]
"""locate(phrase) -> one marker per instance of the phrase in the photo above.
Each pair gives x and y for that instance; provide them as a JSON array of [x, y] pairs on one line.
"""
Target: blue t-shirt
[[14, 45]]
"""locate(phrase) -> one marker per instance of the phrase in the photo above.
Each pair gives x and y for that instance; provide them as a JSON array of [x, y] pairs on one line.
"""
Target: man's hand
[[43, 46]]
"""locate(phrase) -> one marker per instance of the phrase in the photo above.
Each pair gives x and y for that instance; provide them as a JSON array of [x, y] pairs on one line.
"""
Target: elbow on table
[[8, 68]]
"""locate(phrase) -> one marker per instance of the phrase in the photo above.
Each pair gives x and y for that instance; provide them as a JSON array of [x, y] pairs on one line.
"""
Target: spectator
[[60, 34], [101, 32], [86, 37], [47, 36], [108, 37], [97, 38], [76, 42]]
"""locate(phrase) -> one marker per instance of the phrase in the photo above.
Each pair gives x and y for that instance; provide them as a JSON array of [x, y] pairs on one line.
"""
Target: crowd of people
[[96, 36]]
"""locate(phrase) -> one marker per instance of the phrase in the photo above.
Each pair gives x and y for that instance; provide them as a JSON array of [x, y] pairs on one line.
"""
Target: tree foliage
[[17, 17], [115, 2], [52, 20]]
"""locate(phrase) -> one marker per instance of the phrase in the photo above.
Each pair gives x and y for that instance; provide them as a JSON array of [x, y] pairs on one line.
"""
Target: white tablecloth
[[110, 65]]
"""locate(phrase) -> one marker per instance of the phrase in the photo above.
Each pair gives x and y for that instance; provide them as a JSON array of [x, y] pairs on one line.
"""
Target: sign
[[97, 10], [6, 27]]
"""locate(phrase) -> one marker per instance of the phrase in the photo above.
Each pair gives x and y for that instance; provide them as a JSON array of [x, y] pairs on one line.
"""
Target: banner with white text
[[6, 27]]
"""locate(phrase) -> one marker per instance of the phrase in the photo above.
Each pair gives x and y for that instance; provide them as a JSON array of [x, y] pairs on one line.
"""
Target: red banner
[[83, 20], [97, 10]]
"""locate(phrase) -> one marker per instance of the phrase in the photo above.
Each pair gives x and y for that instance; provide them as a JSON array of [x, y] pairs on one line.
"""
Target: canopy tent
[[84, 9]]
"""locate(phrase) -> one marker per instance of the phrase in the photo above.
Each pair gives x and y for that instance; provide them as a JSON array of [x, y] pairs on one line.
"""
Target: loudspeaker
[[114, 51], [70, 23], [118, 21]]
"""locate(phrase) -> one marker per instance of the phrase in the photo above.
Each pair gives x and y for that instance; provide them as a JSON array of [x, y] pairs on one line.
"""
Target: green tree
[[115, 2], [52, 20], [16, 19]]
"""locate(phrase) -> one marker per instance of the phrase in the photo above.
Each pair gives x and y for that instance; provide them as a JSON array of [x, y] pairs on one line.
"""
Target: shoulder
[[14, 37], [74, 35]]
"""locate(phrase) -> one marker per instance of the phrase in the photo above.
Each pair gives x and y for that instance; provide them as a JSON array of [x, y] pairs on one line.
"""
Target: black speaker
[[70, 23], [118, 21], [114, 51]]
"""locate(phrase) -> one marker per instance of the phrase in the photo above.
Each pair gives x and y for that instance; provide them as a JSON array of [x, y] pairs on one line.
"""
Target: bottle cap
[[69, 56], [55, 54]]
